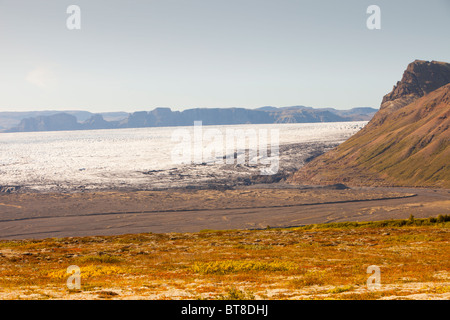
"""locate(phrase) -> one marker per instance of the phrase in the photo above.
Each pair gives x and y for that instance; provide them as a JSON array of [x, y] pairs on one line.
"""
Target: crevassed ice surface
[[120, 156]]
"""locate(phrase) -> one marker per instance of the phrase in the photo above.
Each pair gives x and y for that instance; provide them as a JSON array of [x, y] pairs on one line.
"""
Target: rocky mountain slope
[[420, 78], [405, 144]]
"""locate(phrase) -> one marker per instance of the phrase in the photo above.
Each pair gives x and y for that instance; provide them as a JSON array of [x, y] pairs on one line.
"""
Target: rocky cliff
[[407, 143], [420, 78]]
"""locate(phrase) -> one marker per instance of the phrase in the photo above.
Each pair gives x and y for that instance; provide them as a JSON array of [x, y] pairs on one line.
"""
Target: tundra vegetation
[[324, 261]]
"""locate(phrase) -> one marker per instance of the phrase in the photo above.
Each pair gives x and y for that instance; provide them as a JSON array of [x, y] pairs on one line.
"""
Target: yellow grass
[[311, 262], [87, 272]]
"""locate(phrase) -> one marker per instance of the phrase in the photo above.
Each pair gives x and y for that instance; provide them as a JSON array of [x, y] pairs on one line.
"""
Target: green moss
[[440, 220]]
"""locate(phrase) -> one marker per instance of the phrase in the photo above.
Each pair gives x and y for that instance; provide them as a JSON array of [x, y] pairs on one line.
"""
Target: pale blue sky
[[138, 55]]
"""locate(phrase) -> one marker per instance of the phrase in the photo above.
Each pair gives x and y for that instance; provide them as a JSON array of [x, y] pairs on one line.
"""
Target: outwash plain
[[250, 242]]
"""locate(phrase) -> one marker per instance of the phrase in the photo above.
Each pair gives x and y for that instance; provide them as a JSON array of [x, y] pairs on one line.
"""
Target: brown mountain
[[420, 78], [405, 144]]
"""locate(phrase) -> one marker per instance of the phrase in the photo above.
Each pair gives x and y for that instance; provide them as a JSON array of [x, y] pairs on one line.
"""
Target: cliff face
[[97, 122], [407, 143], [420, 78]]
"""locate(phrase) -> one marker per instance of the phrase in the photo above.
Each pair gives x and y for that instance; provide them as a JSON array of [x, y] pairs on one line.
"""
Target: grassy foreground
[[327, 261]]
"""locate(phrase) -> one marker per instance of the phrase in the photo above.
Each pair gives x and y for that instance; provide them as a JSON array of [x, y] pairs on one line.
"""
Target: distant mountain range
[[165, 117], [407, 142], [12, 119]]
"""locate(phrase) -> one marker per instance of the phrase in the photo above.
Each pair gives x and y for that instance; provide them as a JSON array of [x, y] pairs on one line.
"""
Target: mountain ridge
[[209, 116], [405, 144]]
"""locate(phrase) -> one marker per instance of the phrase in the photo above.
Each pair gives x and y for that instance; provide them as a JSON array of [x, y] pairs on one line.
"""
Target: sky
[[132, 55]]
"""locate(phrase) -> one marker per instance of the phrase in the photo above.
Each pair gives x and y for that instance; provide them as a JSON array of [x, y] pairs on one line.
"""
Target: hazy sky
[[138, 55]]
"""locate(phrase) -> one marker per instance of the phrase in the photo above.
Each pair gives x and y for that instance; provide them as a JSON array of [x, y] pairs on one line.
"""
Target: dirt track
[[24, 216]]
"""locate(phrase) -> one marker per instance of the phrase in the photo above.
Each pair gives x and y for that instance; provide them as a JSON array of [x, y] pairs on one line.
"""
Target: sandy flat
[[42, 215]]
